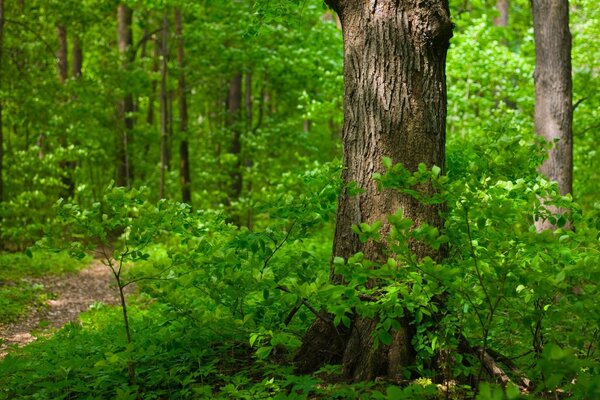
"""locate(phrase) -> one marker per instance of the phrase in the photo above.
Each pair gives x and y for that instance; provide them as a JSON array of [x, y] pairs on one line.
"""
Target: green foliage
[[220, 309]]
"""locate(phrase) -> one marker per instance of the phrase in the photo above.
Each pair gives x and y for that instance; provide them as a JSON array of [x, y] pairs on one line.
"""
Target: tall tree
[[164, 106], [394, 106], [125, 39], [63, 74], [234, 109], [1, 103], [249, 131], [553, 117], [186, 193]]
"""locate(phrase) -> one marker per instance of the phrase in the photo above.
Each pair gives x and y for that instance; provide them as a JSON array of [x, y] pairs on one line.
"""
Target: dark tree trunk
[[155, 67], [502, 6], [1, 104], [77, 58], [164, 107], [184, 157], [553, 90], [248, 161], [125, 39], [63, 75], [394, 106], [234, 108], [61, 54]]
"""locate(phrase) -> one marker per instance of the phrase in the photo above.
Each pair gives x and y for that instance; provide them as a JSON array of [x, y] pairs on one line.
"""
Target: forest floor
[[70, 295]]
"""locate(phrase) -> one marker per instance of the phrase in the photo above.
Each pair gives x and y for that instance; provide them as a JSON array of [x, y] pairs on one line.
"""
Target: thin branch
[[578, 102], [143, 39], [307, 305], [287, 235]]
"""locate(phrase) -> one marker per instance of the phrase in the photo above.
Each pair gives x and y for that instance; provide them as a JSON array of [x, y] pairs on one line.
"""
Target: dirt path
[[74, 293]]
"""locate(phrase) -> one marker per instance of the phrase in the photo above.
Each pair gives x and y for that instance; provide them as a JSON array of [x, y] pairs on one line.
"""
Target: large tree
[[394, 106], [553, 90]]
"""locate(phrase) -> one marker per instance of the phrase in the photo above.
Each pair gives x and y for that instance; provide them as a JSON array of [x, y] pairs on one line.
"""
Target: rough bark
[[125, 42], [502, 6], [164, 107], [394, 106], [234, 105], [553, 117], [186, 193]]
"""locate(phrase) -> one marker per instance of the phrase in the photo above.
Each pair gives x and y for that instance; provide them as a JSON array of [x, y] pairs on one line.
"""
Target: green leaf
[[264, 352], [385, 338]]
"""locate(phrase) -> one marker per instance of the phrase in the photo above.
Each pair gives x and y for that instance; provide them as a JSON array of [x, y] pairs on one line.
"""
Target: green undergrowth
[[18, 291], [175, 359]]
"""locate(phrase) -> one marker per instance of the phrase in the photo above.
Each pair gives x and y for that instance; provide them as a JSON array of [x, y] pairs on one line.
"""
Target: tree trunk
[[77, 58], [125, 39], [63, 75], [164, 107], [502, 6], [61, 54], [394, 106], [155, 67], [1, 104], [234, 108], [184, 157], [553, 117], [248, 161]]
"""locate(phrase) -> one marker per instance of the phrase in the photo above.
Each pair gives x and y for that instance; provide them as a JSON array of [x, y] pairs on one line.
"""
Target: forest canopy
[[299, 199]]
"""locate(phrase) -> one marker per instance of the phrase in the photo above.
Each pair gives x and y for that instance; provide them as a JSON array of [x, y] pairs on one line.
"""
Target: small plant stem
[[117, 274]]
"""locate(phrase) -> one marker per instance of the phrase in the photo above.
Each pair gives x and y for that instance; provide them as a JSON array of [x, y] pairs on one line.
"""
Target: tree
[[125, 38], [1, 122], [77, 63], [234, 109], [61, 54], [186, 193], [553, 118], [164, 109], [394, 106]]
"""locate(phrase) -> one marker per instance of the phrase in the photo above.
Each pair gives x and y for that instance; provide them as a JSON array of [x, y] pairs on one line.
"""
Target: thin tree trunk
[[184, 157], [77, 58], [394, 106], [63, 75], [155, 68], [553, 91], [1, 109], [61, 54], [172, 94], [502, 6], [164, 107], [234, 104], [248, 162], [125, 39]]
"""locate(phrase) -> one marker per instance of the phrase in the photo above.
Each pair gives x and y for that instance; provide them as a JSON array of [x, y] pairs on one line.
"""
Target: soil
[[72, 294]]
